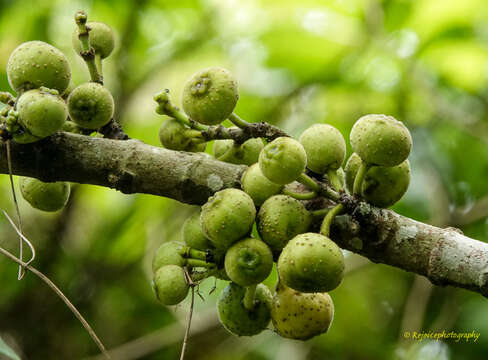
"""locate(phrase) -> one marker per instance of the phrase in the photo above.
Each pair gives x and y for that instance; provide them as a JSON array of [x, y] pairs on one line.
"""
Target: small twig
[[358, 180], [21, 272], [187, 331], [300, 196], [325, 228], [87, 52], [60, 294]]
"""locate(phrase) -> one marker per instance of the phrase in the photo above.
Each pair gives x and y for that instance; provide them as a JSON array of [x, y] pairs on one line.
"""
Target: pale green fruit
[[41, 112], [381, 140], [90, 105], [239, 320], [257, 186], [283, 160], [169, 253], [34, 64], [210, 96], [227, 217], [44, 196], [193, 235], [101, 39], [245, 154], [311, 263], [174, 136], [248, 262], [325, 148], [301, 316], [170, 285], [281, 218], [382, 186]]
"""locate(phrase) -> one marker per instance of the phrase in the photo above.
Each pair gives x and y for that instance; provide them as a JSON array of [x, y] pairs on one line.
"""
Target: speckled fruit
[[245, 154], [210, 96], [34, 64], [382, 186], [248, 262], [311, 263], [41, 113], [227, 217], [101, 39], [170, 285], [193, 235], [281, 218], [236, 318], [381, 140], [301, 316], [44, 196], [173, 136], [257, 186], [90, 105], [325, 148], [169, 253]]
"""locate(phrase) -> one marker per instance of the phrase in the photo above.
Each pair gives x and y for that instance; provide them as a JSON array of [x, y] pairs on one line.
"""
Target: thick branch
[[445, 256]]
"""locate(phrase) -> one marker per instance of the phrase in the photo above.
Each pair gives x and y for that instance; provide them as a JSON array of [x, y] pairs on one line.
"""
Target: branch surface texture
[[444, 256]]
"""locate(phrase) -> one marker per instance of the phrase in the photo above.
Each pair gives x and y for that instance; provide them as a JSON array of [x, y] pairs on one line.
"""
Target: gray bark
[[444, 256]]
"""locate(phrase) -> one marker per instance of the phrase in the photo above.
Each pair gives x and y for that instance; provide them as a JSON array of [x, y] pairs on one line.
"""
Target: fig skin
[[227, 217], [311, 263], [193, 235], [257, 186], [301, 316], [173, 136], [34, 64], [325, 147], [248, 262], [246, 154], [236, 318], [210, 96], [381, 140], [90, 105], [41, 112], [283, 160], [170, 285], [101, 37], [169, 253], [382, 186], [45, 196], [281, 218]]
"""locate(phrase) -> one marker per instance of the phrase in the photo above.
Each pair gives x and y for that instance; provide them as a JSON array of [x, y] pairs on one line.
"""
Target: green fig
[[44, 196], [170, 284], [174, 136], [257, 186], [193, 235], [101, 37], [169, 253], [245, 154]]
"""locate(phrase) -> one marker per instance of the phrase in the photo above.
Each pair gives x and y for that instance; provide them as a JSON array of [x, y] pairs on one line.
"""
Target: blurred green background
[[297, 63]]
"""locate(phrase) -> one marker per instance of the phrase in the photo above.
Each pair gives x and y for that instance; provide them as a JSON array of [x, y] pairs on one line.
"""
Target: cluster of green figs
[[46, 103], [239, 233]]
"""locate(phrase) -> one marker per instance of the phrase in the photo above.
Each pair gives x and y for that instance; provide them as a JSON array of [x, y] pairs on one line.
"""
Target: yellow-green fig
[[44, 196], [90, 105], [210, 96], [34, 64], [170, 285], [257, 186], [301, 316]]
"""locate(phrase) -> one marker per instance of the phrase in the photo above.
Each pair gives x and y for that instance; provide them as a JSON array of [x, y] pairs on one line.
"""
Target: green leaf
[[6, 350]]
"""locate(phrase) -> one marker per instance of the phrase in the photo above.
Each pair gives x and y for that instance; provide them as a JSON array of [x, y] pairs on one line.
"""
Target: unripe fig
[[174, 136], [257, 186], [193, 235], [34, 64], [44, 196], [210, 96], [382, 186], [248, 262], [281, 218], [239, 320], [245, 154], [325, 148], [227, 217], [101, 39], [169, 253], [283, 160], [301, 316], [90, 105], [170, 285], [381, 140], [41, 112], [311, 263]]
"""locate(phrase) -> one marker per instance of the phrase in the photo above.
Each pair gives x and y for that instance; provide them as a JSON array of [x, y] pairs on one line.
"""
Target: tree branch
[[444, 256]]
